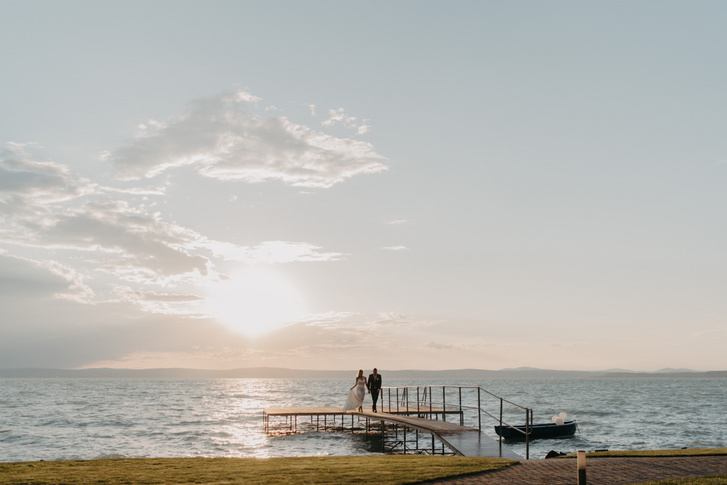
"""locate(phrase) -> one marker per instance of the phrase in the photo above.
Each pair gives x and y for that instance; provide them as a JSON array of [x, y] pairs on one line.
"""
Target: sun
[[255, 301]]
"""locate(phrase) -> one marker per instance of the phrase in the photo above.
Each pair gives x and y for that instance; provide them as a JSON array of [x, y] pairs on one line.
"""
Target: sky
[[343, 185]]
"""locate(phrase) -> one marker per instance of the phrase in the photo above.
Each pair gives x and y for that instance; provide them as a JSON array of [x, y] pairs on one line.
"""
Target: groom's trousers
[[374, 398]]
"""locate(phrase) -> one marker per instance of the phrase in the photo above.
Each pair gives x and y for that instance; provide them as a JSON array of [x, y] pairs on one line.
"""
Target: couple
[[358, 391]]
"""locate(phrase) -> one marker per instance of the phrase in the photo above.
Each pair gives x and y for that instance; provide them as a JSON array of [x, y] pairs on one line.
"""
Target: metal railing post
[[417, 400], [430, 402], [501, 430], [528, 417], [479, 410], [444, 404], [461, 413]]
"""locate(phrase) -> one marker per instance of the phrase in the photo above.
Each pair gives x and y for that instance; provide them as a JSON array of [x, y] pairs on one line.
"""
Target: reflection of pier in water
[[404, 416]]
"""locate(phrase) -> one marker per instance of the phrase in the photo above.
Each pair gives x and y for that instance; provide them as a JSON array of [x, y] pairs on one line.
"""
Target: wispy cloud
[[270, 252], [440, 346], [28, 185], [222, 140], [138, 246], [164, 303], [339, 116], [355, 320], [30, 278], [396, 248]]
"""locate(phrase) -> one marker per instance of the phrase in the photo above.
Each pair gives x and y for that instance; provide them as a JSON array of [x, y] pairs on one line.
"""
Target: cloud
[[440, 346], [339, 116], [21, 175], [396, 248], [76, 291], [22, 277], [361, 321], [240, 97], [138, 246], [28, 185], [163, 303], [271, 252], [75, 231], [104, 273], [398, 319], [80, 335], [222, 140], [333, 320]]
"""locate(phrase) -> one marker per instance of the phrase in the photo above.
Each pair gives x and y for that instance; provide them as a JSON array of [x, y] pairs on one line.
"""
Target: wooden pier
[[462, 440]]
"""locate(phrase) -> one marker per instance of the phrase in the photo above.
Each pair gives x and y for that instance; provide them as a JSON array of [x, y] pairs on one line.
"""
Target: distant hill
[[277, 372]]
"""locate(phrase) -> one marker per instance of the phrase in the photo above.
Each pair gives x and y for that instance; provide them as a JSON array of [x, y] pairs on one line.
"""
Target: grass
[[384, 470]]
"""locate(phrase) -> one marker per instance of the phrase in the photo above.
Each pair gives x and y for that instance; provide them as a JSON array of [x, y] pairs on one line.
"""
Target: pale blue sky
[[391, 184]]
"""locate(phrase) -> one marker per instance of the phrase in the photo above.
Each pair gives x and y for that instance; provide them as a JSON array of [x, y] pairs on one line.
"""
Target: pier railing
[[464, 401]]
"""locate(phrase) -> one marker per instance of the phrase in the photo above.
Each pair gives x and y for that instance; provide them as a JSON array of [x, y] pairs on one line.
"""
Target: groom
[[374, 387]]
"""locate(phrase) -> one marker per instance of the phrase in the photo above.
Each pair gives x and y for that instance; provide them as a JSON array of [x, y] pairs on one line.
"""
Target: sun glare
[[256, 301]]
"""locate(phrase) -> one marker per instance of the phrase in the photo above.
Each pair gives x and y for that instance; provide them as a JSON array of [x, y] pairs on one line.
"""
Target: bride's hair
[[360, 373]]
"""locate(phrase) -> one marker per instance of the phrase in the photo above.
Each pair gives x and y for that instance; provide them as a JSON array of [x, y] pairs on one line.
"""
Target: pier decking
[[462, 440]]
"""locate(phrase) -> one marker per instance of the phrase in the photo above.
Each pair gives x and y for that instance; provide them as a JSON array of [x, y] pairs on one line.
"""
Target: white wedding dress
[[355, 396]]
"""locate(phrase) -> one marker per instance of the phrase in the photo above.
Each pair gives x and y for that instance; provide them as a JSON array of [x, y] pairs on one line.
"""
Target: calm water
[[60, 419]]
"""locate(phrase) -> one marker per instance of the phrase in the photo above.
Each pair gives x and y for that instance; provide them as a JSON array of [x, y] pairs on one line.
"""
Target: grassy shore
[[388, 470], [384, 470]]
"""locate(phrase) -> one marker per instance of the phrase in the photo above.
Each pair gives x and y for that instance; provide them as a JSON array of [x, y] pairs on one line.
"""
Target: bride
[[356, 394]]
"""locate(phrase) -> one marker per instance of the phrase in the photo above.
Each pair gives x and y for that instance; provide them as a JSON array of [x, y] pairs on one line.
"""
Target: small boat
[[538, 431]]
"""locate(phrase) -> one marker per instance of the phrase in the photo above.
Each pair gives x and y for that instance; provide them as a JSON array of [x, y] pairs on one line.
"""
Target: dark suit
[[374, 387]]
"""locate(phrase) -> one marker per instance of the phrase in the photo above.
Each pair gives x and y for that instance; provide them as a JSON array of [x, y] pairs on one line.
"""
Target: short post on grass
[[581, 463]]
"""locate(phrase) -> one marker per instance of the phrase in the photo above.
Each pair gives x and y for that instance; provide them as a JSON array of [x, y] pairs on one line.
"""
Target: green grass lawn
[[384, 470]]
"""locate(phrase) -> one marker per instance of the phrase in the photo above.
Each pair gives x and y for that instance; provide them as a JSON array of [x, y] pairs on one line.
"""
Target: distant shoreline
[[277, 372]]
